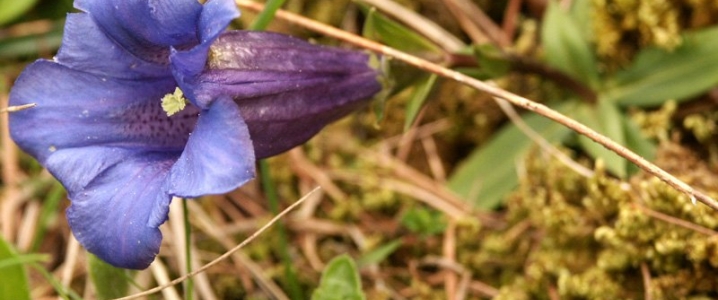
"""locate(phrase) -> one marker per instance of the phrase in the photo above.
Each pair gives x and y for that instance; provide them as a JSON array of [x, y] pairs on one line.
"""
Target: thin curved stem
[[494, 91], [226, 254], [189, 284]]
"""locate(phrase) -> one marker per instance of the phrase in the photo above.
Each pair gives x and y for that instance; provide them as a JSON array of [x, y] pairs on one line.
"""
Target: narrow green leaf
[[418, 98], [31, 45], [607, 120], [393, 34], [379, 254], [491, 60], [13, 9], [267, 15], [14, 277], [110, 282], [490, 171], [658, 75], [340, 281], [22, 259], [62, 291], [565, 46], [48, 213]]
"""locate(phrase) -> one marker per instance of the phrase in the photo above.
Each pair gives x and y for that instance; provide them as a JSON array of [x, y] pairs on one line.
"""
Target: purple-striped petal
[[281, 121], [218, 157], [83, 109]]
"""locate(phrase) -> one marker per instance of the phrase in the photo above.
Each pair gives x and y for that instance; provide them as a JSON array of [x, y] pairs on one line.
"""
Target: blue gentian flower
[[100, 129]]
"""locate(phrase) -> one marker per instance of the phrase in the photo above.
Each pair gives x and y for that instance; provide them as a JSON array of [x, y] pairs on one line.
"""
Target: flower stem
[[267, 15], [189, 284], [295, 291]]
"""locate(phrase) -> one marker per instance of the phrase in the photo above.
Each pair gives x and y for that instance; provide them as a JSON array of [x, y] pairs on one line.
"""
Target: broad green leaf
[[110, 282], [340, 281], [418, 98], [13, 9], [565, 46], [490, 171], [582, 13], [658, 75], [14, 278], [607, 120], [423, 221], [395, 35], [379, 254]]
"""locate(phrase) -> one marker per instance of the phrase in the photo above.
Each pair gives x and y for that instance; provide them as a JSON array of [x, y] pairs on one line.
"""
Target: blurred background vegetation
[[436, 191]]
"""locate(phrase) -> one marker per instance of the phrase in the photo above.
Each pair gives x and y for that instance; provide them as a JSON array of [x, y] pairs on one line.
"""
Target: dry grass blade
[[11, 109], [676, 221], [11, 201], [449, 249], [419, 23], [494, 91], [646, 274], [483, 21], [226, 254]]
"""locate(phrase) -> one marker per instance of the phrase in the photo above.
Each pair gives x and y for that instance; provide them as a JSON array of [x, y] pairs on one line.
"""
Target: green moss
[[622, 27], [587, 238]]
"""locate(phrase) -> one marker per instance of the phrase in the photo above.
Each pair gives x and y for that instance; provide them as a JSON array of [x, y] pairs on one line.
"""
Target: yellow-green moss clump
[[588, 238], [624, 26]]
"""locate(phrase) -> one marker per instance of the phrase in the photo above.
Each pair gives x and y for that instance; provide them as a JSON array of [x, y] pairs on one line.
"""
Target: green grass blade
[[14, 277], [267, 15]]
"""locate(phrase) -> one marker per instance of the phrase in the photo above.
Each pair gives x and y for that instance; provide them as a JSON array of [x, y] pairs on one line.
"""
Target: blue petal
[[215, 17], [77, 109], [219, 156], [147, 28], [117, 213], [85, 47], [186, 65]]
